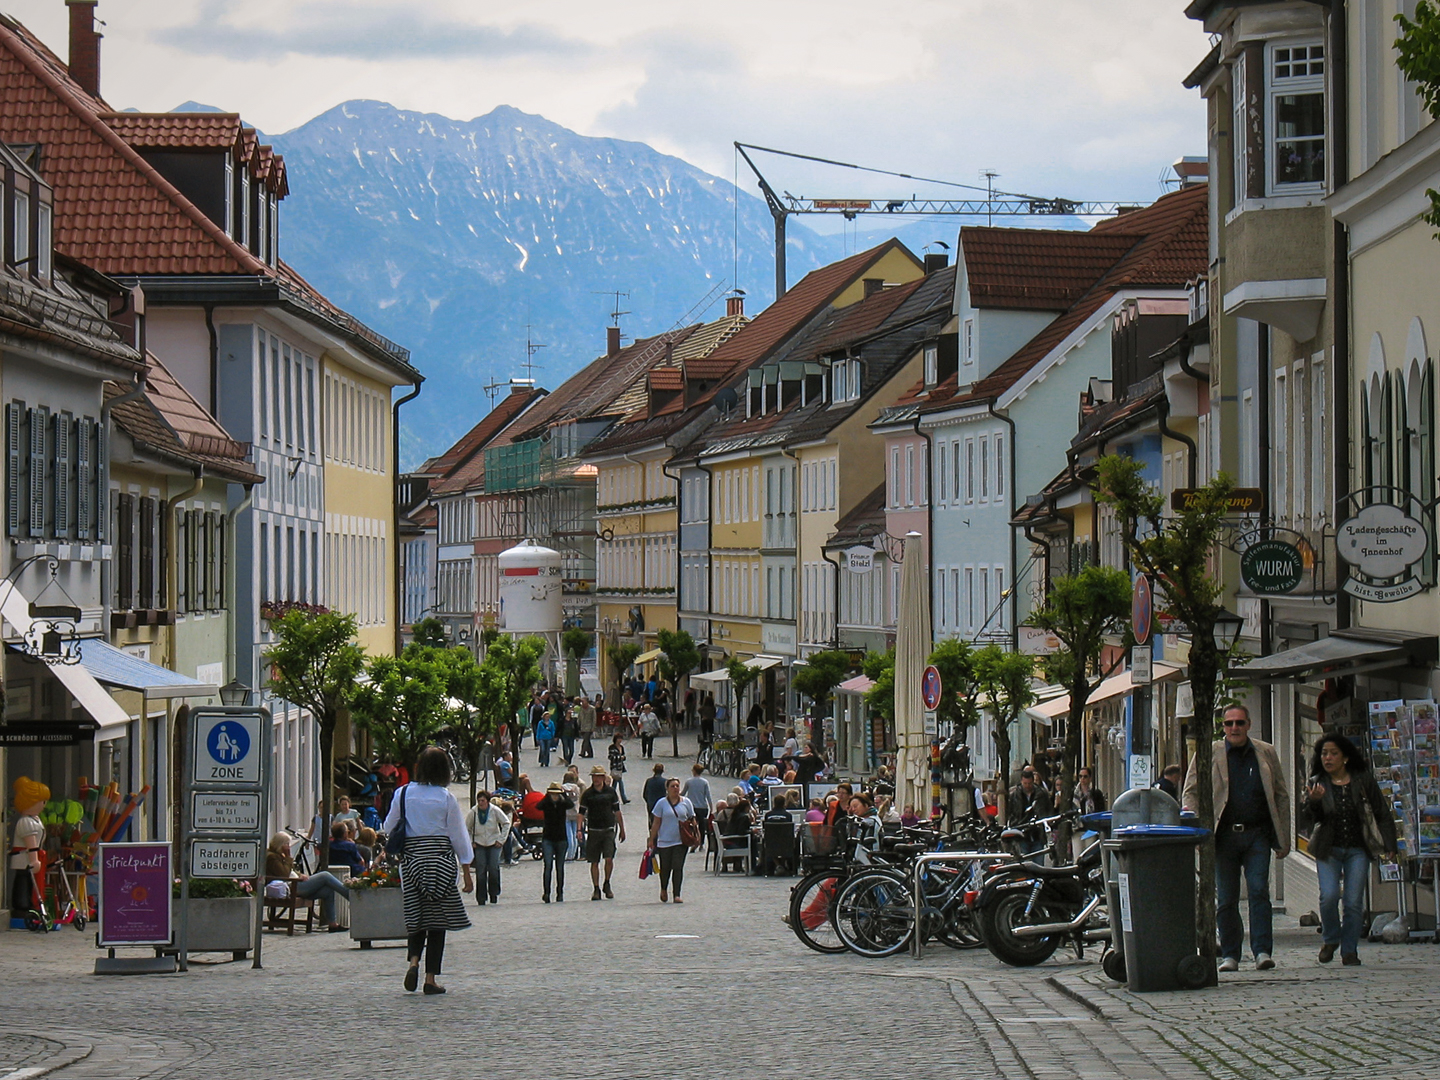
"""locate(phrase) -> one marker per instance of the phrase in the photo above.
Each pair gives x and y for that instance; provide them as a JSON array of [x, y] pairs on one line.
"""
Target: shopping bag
[[647, 864]]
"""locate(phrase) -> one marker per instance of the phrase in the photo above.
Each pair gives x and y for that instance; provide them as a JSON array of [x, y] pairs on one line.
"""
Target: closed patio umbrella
[[912, 653]]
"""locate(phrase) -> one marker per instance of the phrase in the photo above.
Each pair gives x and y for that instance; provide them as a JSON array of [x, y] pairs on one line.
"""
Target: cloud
[[370, 32]]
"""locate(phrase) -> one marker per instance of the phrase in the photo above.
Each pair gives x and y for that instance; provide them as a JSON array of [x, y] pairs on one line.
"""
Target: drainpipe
[[395, 508], [106, 582], [930, 521], [710, 572], [1014, 559], [1198, 376], [1339, 157], [232, 630], [794, 583], [214, 361], [835, 637], [1191, 453]]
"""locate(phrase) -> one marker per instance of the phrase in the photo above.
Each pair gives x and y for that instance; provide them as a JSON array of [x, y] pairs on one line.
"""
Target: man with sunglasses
[[1252, 818]]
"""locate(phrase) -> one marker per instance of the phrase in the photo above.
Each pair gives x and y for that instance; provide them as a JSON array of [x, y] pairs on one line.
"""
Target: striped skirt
[[428, 873]]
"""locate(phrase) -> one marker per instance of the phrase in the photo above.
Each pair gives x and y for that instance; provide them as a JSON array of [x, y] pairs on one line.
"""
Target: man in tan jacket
[[1252, 818]]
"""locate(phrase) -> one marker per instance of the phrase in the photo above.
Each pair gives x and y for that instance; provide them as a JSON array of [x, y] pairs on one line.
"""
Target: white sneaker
[[1229, 964], [1263, 962]]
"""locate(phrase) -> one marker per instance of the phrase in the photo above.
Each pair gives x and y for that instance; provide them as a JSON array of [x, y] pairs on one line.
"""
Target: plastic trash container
[[1113, 959], [1144, 806], [1155, 905]]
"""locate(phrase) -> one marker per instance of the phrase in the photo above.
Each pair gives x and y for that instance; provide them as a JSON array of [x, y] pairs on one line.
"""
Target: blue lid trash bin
[[1155, 887]]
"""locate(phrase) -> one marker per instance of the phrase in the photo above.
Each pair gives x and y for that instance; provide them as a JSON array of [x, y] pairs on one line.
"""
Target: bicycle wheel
[[810, 903], [873, 914]]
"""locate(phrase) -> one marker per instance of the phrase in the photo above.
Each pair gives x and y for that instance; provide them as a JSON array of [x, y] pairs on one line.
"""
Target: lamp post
[[1227, 630], [235, 693]]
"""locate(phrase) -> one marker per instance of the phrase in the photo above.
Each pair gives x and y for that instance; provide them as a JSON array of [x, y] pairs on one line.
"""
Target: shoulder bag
[[689, 829], [395, 842]]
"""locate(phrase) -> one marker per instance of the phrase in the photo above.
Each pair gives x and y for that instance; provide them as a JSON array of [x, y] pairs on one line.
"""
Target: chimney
[[1192, 170], [612, 340], [936, 261], [84, 46], [874, 285], [734, 305]]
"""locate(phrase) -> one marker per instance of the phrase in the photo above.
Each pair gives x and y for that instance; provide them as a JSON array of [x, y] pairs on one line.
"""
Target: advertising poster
[[134, 894]]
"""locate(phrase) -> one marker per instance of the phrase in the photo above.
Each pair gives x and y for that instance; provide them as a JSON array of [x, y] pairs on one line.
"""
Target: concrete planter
[[376, 915], [226, 925]]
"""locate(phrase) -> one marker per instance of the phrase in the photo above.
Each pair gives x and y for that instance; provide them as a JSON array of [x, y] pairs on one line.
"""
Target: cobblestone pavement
[[634, 988]]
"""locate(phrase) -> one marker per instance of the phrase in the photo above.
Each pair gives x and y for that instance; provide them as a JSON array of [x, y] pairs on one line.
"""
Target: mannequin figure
[[25, 854]]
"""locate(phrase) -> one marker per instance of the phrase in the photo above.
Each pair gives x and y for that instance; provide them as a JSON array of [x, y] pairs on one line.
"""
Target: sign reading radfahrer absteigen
[[1381, 543]]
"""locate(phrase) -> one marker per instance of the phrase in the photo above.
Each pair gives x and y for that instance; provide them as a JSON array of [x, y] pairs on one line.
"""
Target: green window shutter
[[14, 466], [39, 421], [64, 475]]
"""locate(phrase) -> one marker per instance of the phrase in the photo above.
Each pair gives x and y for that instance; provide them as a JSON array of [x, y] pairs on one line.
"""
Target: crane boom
[[995, 203]]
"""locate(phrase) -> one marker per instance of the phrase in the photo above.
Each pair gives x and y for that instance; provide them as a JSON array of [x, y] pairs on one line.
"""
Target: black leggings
[[672, 866], [431, 943], [647, 744]]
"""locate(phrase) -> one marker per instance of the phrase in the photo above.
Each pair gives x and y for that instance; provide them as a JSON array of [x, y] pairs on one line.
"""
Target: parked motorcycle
[[1026, 911]]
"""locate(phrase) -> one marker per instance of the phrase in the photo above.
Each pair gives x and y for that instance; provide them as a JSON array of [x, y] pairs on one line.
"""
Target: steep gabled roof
[[1168, 247], [1035, 269], [113, 211], [463, 465], [170, 423], [863, 523]]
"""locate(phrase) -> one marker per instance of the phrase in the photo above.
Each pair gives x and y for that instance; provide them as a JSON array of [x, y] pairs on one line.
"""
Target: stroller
[[524, 834]]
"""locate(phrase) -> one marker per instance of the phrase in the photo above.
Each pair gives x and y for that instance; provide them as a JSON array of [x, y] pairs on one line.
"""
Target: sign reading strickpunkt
[[227, 748]]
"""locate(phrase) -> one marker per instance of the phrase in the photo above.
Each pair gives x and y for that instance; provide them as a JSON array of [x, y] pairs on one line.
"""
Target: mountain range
[[461, 240]]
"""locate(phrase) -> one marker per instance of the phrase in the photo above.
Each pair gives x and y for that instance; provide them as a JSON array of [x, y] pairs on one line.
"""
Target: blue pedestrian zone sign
[[227, 748]]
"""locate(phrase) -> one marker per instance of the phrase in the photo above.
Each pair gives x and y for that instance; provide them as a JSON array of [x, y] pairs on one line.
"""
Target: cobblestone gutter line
[[24, 1055]]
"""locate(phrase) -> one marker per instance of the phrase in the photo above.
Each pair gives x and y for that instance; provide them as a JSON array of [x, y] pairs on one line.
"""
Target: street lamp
[[1227, 629], [235, 693]]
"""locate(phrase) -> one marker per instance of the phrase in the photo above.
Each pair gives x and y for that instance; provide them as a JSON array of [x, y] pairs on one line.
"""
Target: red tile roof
[[113, 211], [667, 378], [854, 322], [169, 422], [463, 465], [189, 131], [1168, 247], [1036, 269]]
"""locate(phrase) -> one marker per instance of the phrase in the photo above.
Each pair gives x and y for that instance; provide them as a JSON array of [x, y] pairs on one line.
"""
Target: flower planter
[[226, 925], [376, 915]]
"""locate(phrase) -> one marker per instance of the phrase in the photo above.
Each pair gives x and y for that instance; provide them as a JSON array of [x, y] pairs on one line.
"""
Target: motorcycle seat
[[1036, 870]]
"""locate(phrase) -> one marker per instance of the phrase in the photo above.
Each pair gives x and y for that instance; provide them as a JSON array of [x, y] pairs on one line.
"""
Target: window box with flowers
[[271, 610], [221, 915], [377, 911]]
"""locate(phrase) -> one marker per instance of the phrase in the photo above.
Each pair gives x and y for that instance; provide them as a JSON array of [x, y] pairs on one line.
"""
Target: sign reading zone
[[227, 748]]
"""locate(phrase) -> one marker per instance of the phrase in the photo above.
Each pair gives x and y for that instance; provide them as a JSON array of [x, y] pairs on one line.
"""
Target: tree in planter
[[879, 668], [742, 677], [1081, 610], [1008, 680], [1176, 552], [516, 664], [678, 657], [621, 656], [402, 703], [469, 686], [574, 643], [429, 632], [315, 661], [818, 677]]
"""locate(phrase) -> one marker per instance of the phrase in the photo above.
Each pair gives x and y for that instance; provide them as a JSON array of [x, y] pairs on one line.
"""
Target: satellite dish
[[726, 399]]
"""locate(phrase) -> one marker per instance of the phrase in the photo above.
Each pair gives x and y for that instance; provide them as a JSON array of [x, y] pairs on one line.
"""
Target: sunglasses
[[1235, 723]]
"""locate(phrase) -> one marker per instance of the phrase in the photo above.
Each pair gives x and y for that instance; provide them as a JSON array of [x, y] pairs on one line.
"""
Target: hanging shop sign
[[47, 732], [1240, 500], [1381, 543], [1272, 567], [860, 559]]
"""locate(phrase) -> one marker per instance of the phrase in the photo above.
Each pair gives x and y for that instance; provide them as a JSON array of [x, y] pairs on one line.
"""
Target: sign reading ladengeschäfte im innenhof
[[1381, 544]]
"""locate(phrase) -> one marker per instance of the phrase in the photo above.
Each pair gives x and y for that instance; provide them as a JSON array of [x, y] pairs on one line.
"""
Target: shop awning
[[1115, 686], [649, 657], [719, 675], [76, 678], [763, 662], [113, 667], [860, 684], [1344, 652]]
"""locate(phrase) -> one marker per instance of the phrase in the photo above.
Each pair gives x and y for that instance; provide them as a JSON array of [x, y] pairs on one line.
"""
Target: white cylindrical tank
[[531, 584]]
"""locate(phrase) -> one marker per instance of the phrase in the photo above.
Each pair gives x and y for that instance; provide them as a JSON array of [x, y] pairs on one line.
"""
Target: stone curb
[[71, 1051]]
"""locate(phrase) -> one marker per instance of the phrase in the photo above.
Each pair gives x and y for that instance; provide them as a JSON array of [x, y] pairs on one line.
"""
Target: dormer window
[[44, 241], [262, 222], [244, 236], [932, 365], [845, 380], [967, 342], [274, 230], [229, 195], [20, 227]]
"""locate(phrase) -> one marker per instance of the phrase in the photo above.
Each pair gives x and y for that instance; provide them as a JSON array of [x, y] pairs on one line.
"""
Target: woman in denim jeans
[[1353, 824], [489, 828]]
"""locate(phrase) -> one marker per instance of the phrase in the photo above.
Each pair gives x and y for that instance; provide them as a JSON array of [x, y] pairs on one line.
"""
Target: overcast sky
[[1080, 98]]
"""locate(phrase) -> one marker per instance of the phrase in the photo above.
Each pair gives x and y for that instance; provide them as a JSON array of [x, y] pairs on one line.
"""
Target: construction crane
[[992, 204]]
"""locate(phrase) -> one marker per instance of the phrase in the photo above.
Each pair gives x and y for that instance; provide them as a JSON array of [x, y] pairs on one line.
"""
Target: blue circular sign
[[930, 687], [228, 742]]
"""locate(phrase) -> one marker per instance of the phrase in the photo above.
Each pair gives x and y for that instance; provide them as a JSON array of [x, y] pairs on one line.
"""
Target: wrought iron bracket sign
[[1390, 533], [1272, 567]]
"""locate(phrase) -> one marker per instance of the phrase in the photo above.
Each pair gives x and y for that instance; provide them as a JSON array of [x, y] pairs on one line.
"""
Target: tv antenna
[[617, 294], [531, 348]]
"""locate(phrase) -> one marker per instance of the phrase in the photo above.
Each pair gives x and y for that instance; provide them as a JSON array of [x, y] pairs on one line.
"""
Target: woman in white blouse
[[437, 849]]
